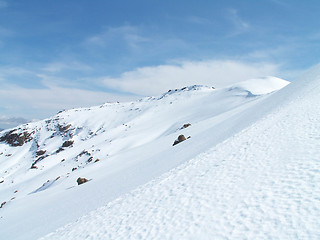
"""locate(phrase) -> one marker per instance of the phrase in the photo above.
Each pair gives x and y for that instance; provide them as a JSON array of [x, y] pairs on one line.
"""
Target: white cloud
[[40, 103], [52, 93], [155, 80]]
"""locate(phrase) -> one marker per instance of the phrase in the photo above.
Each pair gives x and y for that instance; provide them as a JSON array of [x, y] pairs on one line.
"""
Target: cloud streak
[[53, 93], [240, 25], [158, 79], [129, 34], [56, 67], [41, 103], [10, 122]]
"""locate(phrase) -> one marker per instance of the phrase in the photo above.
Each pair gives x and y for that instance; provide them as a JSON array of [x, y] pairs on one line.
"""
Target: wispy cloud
[[9, 122], [239, 24], [39, 103], [129, 34], [7, 73], [49, 93], [157, 79], [269, 54], [56, 67]]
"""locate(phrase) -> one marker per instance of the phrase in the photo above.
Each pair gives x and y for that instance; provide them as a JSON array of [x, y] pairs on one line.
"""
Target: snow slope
[[261, 183], [133, 142]]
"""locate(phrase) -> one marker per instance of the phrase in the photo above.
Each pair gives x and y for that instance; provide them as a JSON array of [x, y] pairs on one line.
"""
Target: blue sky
[[63, 54]]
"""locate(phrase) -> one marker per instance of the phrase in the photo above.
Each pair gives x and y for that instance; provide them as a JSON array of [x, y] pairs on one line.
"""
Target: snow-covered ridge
[[261, 183], [185, 89], [261, 86], [115, 144]]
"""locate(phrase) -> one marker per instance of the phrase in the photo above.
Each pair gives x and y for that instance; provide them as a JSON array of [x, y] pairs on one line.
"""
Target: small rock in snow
[[81, 180]]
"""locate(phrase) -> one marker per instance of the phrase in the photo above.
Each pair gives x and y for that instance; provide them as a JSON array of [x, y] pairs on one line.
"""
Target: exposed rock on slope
[[81, 180], [15, 138], [180, 139]]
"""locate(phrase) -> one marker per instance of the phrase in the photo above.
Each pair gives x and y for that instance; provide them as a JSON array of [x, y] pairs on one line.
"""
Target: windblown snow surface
[[249, 171]]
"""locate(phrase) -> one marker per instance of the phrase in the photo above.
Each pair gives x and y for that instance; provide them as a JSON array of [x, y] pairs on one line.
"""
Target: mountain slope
[[40, 162], [262, 183]]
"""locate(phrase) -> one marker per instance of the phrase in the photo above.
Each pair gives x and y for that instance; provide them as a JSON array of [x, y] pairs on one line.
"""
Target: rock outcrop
[[180, 139], [16, 139], [81, 180]]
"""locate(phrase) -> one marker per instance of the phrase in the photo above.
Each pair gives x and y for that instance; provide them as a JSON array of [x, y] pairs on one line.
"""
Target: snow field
[[262, 183], [134, 144]]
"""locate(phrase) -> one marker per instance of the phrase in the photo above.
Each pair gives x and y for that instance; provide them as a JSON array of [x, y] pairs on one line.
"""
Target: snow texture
[[262, 183], [249, 171]]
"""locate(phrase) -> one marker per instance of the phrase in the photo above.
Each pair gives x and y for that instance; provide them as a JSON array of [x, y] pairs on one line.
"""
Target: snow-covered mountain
[[238, 137]]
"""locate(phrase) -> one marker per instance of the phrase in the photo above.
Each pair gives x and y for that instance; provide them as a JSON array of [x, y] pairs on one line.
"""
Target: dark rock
[[40, 152], [81, 180], [59, 150], [97, 160], [186, 125], [15, 139], [84, 152], [73, 169], [180, 139], [64, 128], [61, 111], [2, 204], [38, 160], [67, 143]]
